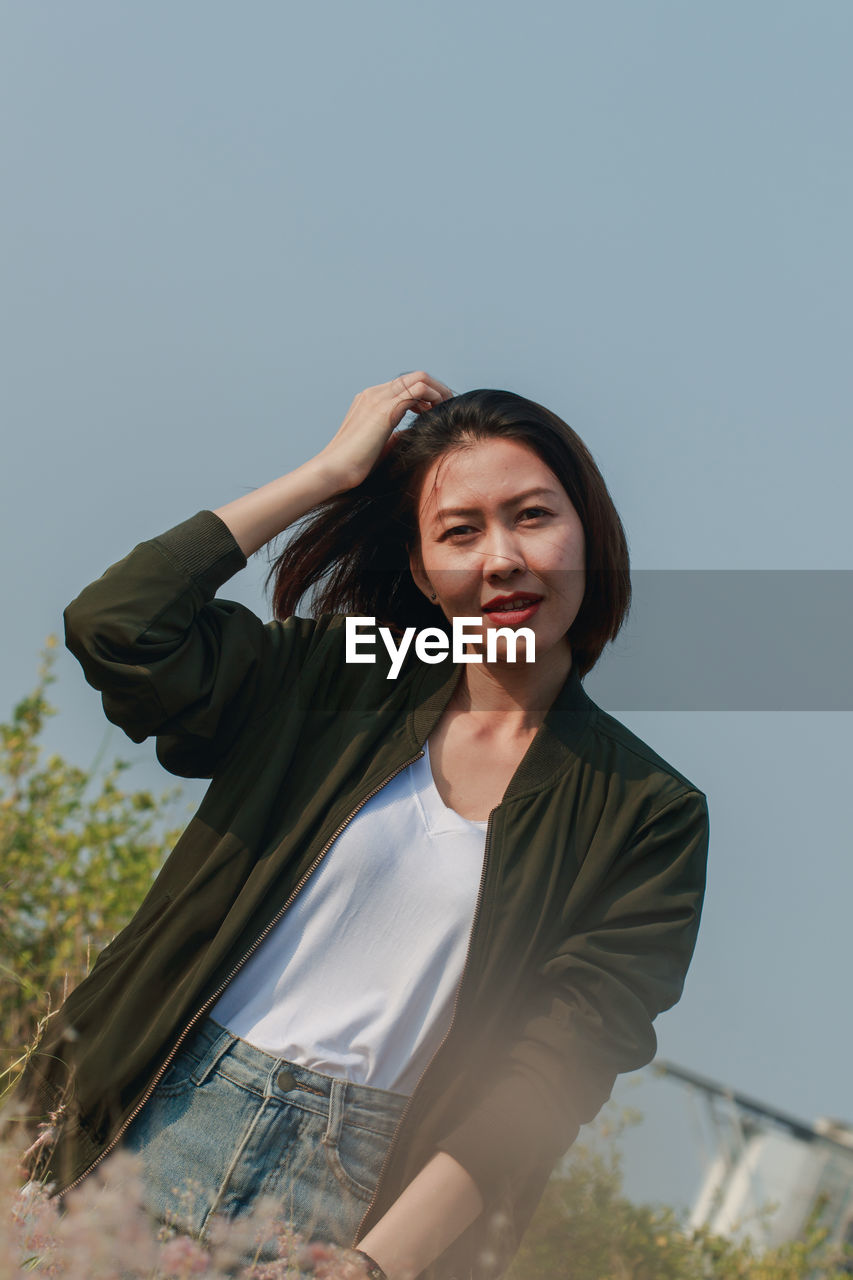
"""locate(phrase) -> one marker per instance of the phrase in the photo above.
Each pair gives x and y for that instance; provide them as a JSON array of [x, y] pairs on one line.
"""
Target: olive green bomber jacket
[[586, 920]]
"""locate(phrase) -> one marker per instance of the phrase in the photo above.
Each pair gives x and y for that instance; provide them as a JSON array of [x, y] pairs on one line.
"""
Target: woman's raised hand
[[256, 517], [366, 431]]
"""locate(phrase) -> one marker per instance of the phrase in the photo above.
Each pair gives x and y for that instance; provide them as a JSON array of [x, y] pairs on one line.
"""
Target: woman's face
[[498, 529]]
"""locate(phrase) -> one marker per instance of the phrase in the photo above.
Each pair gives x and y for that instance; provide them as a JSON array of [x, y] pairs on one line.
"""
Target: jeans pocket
[[179, 1076], [355, 1158]]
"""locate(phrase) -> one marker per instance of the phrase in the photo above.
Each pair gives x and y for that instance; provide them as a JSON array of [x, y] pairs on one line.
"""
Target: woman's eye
[[458, 529], [533, 512]]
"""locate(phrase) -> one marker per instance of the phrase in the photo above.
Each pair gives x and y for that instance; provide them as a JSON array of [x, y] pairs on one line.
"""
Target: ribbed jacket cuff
[[203, 548]]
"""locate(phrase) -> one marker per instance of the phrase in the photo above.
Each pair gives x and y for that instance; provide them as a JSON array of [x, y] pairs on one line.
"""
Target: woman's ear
[[416, 569]]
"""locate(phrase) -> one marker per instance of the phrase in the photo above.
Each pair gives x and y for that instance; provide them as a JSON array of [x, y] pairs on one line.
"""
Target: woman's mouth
[[512, 611]]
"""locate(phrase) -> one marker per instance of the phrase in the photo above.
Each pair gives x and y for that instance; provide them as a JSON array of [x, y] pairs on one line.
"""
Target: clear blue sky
[[221, 221]]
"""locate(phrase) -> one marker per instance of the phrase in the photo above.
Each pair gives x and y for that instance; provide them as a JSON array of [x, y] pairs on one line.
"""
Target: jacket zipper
[[465, 971], [217, 993]]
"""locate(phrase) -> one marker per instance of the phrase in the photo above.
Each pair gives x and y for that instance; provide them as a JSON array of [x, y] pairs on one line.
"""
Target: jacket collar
[[555, 746]]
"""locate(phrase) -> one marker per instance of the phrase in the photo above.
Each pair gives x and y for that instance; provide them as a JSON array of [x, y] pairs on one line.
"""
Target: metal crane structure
[[770, 1170]]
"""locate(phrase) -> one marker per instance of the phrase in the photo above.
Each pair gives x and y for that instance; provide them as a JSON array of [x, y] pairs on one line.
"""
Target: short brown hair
[[354, 547]]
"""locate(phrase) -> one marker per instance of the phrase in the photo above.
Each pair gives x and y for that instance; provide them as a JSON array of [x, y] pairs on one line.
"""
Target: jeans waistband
[[215, 1048]]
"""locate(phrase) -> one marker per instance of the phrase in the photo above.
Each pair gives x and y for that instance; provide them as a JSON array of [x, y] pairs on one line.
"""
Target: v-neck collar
[[555, 746], [438, 817]]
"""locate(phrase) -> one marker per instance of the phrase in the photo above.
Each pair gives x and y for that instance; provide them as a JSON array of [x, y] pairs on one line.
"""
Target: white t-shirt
[[359, 977]]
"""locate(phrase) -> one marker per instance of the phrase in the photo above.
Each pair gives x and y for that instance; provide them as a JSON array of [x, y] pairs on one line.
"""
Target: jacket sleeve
[[171, 660], [589, 1012]]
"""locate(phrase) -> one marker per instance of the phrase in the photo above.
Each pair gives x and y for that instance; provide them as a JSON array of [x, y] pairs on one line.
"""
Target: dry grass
[[101, 1231]]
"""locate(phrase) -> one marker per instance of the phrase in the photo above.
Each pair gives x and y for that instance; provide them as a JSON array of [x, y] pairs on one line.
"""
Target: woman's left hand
[[365, 433]]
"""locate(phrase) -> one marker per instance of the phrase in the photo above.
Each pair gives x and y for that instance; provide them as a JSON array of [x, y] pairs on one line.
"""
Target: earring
[[433, 595]]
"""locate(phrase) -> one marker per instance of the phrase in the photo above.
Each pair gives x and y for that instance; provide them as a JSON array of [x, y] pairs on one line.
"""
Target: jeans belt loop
[[213, 1055]]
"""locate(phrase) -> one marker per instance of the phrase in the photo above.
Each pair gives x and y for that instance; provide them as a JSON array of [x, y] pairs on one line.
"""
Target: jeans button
[[286, 1081]]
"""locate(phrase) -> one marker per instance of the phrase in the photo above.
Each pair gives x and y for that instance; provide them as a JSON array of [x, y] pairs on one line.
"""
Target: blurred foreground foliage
[[77, 855]]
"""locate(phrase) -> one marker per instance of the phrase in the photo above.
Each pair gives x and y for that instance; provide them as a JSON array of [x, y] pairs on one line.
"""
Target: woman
[[431, 903]]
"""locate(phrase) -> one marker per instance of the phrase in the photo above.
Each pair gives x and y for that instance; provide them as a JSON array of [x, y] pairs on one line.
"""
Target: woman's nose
[[501, 553]]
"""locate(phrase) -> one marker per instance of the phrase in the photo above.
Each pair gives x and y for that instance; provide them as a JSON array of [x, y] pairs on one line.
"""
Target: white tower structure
[[771, 1170]]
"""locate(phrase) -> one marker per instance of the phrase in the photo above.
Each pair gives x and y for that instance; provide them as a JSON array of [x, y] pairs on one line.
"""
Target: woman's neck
[[518, 693]]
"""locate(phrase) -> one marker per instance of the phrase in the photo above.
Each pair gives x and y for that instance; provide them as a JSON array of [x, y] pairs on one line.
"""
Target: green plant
[[586, 1229], [77, 854]]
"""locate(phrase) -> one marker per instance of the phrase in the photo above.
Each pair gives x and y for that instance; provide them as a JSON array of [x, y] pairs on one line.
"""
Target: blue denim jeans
[[228, 1124]]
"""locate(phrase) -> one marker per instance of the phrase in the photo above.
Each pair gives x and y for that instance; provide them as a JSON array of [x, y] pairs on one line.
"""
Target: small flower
[[320, 1252], [183, 1257], [337, 1263]]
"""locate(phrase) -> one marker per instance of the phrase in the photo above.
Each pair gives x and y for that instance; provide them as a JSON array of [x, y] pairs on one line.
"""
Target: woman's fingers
[[373, 415], [421, 388]]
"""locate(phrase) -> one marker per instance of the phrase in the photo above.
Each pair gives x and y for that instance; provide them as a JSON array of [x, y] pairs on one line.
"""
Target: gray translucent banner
[[731, 640]]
